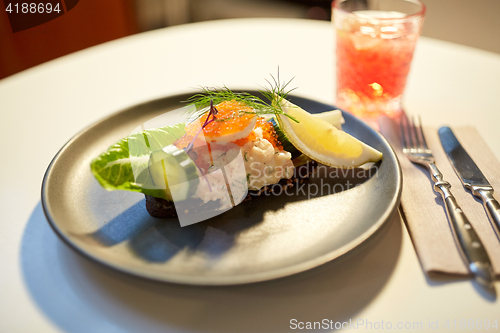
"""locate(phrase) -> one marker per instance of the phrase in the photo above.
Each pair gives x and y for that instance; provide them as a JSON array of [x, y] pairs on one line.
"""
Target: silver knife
[[470, 175]]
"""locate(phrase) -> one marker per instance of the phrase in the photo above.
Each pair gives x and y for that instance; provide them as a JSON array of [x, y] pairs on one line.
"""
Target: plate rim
[[230, 280]]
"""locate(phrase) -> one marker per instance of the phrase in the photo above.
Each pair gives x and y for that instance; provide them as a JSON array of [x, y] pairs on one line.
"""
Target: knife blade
[[471, 176]]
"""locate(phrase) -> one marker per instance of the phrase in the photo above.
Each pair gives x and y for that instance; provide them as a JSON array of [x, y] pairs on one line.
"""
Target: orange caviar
[[234, 121], [232, 117], [268, 133]]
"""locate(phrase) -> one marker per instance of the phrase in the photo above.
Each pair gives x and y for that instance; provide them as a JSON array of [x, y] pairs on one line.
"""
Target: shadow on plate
[[81, 296], [159, 240]]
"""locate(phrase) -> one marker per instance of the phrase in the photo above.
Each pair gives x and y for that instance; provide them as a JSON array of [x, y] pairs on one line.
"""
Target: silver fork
[[470, 246]]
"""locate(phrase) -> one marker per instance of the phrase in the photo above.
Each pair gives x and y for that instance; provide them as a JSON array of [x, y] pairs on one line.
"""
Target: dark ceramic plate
[[261, 239]]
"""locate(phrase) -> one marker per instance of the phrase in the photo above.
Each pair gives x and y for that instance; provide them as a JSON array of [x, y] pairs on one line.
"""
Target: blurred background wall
[[91, 22]]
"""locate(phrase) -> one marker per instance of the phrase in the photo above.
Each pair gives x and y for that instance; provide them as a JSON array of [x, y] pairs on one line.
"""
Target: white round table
[[46, 287]]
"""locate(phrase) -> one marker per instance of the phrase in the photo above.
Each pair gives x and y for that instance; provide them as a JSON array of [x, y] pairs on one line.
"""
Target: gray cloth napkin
[[423, 209]]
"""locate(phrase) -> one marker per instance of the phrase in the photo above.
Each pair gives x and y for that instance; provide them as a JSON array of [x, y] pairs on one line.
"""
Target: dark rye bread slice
[[162, 208]]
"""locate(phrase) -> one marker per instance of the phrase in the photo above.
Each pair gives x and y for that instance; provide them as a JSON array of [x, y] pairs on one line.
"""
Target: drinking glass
[[375, 44]]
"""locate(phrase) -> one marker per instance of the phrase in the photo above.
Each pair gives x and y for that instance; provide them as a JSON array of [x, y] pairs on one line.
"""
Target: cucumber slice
[[285, 143], [174, 171]]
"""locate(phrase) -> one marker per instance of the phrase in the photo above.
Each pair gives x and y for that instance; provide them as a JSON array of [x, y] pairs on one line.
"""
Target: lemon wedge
[[322, 141], [333, 117]]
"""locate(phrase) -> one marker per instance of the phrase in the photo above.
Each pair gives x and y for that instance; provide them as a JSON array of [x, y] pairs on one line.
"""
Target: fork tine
[[416, 128], [411, 133], [404, 132], [424, 143]]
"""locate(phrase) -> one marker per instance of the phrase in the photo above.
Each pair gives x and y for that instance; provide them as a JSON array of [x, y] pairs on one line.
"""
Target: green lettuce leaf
[[124, 166]]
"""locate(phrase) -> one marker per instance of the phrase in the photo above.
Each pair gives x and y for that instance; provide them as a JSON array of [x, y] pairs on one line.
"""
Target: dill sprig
[[275, 93], [202, 100]]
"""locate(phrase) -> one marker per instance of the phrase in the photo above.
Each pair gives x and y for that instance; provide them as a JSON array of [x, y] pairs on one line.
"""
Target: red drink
[[374, 53]]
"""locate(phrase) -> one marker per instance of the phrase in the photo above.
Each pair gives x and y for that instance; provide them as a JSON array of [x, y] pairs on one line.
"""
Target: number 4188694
[[33, 8], [471, 324]]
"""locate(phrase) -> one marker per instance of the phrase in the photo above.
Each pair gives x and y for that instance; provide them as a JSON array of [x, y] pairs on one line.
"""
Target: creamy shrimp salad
[[256, 164]]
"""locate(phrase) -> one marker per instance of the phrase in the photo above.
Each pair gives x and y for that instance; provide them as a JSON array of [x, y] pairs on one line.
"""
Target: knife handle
[[491, 205], [470, 244]]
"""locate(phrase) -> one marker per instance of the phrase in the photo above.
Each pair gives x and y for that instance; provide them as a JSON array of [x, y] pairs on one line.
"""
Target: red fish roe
[[268, 133], [232, 117]]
